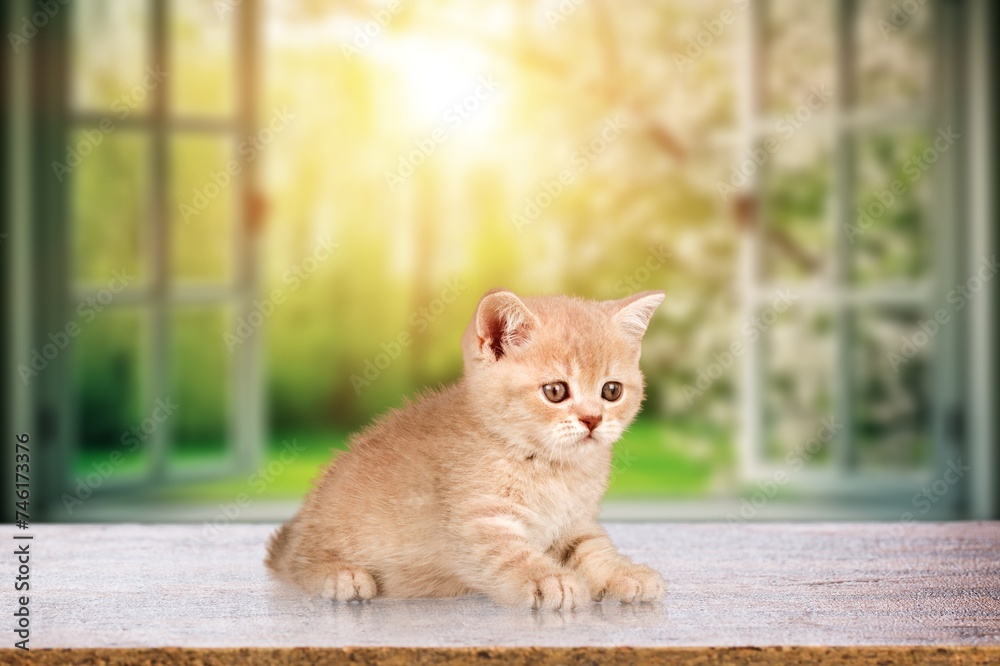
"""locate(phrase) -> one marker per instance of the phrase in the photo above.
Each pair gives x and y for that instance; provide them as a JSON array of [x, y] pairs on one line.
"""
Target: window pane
[[203, 192], [110, 204], [199, 371], [799, 60], [110, 371], [202, 63], [110, 57], [798, 350], [891, 401], [893, 52], [893, 189], [797, 244]]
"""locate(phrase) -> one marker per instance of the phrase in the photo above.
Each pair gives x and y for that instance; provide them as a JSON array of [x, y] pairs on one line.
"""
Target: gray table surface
[[729, 585]]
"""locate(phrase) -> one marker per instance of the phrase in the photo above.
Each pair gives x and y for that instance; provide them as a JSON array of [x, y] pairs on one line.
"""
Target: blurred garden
[[407, 157]]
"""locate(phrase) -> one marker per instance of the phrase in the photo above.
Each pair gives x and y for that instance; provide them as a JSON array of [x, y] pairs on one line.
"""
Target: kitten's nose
[[591, 421]]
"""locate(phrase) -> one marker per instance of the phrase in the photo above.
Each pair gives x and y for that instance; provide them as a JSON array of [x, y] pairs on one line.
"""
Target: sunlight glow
[[445, 83]]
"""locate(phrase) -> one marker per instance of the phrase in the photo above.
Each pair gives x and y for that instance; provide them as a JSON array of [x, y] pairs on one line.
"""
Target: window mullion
[[945, 231], [750, 438], [159, 247], [246, 399], [191, 123], [981, 381], [842, 194]]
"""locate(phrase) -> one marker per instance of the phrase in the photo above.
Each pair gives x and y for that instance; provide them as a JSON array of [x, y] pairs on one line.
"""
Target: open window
[[591, 148], [152, 236], [852, 122]]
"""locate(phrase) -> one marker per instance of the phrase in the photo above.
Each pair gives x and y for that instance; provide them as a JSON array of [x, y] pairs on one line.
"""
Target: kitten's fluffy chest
[[555, 498]]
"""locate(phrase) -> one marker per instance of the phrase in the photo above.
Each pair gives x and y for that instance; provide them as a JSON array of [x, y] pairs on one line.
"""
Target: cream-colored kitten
[[493, 484]]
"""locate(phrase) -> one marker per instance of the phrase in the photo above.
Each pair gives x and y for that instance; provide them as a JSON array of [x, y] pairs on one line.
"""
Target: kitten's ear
[[632, 314], [502, 321]]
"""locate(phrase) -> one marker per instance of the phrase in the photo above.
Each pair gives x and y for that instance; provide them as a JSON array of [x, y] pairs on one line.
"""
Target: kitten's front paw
[[348, 584], [558, 591], [631, 584]]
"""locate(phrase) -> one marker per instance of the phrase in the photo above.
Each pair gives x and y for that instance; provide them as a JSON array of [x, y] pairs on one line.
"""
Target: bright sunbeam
[[443, 83]]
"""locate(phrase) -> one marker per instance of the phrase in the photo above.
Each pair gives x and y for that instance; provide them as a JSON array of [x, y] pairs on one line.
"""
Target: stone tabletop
[[915, 588]]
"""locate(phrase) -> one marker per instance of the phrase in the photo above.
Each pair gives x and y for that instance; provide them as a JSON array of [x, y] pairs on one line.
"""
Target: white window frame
[[160, 296], [844, 123]]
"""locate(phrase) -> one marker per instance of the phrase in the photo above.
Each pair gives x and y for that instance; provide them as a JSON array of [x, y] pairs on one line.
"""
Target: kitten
[[493, 484]]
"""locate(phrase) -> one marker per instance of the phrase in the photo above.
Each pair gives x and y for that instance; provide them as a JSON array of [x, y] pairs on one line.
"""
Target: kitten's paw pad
[[633, 584], [555, 592], [348, 584]]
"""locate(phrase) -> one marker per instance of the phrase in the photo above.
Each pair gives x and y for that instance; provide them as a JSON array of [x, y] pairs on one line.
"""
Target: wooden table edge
[[860, 654]]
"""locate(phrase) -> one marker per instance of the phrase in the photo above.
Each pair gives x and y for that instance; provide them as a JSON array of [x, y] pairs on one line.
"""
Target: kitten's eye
[[611, 391], [556, 392]]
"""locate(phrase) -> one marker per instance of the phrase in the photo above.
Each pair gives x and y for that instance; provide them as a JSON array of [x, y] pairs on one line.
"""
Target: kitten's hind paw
[[555, 592], [348, 583]]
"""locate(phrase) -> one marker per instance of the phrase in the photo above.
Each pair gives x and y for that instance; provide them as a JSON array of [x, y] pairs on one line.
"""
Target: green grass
[[654, 459], [668, 459]]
